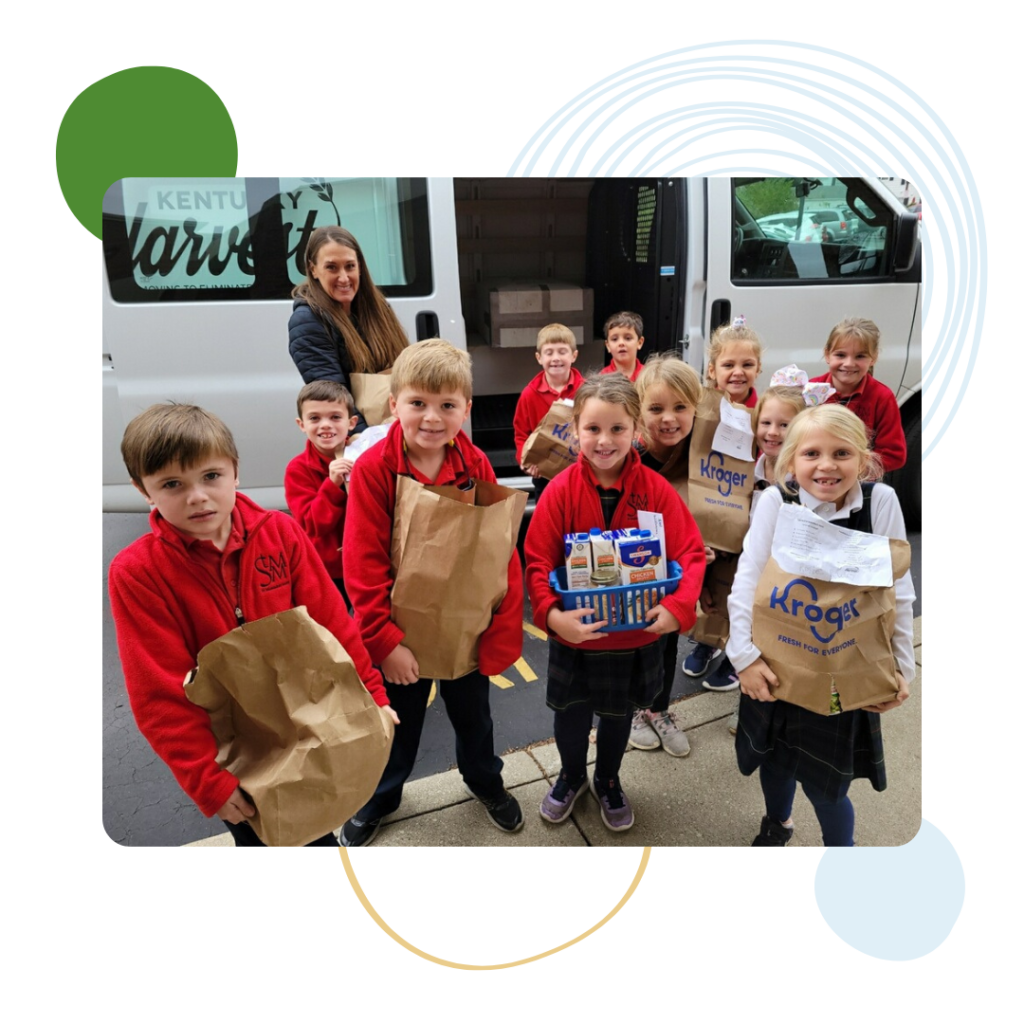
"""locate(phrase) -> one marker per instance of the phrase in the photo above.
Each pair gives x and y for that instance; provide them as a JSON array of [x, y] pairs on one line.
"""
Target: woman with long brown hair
[[341, 323]]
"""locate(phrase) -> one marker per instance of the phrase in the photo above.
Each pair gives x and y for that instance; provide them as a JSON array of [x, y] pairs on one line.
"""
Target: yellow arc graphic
[[357, 888]]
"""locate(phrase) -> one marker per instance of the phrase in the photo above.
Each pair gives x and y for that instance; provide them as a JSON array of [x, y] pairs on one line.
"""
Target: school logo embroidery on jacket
[[273, 571], [636, 502]]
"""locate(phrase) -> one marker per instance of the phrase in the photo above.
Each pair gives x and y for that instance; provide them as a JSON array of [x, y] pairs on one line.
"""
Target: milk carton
[[578, 561]]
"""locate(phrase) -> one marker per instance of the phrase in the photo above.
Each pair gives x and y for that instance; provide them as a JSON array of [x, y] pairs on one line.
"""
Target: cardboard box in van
[[512, 312]]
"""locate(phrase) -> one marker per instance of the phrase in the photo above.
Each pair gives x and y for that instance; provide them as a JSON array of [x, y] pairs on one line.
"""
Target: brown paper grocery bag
[[450, 551], [553, 446], [294, 723], [372, 392], [814, 634], [713, 629], [719, 486]]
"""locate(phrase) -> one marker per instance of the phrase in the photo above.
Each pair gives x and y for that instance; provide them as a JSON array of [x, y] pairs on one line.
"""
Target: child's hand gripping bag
[[825, 612], [293, 723]]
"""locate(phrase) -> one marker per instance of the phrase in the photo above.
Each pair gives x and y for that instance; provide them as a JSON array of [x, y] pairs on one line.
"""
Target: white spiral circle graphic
[[755, 107]]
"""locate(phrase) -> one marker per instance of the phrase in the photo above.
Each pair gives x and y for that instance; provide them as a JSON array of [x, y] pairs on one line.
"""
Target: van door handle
[[427, 325], [721, 313]]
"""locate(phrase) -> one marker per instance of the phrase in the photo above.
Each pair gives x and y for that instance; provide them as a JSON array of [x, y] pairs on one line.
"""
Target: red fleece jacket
[[876, 405], [371, 511], [570, 504], [318, 505], [534, 403], [172, 595]]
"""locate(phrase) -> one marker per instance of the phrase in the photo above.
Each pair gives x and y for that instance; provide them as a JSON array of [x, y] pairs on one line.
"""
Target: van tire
[[907, 481]]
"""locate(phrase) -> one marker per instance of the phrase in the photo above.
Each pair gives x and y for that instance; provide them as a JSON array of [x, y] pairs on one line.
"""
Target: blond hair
[[173, 432], [789, 394], [678, 376], [859, 329], [435, 366], [843, 425], [613, 388], [728, 334], [326, 391], [556, 334]]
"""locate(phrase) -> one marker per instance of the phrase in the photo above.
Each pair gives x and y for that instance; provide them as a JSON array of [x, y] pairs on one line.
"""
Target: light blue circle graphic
[[682, 112], [894, 903]]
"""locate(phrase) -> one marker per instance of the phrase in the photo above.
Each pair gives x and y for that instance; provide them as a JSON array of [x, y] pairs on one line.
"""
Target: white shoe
[[642, 735], [673, 739]]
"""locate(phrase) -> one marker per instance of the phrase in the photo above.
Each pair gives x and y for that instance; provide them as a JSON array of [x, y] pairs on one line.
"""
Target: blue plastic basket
[[625, 607]]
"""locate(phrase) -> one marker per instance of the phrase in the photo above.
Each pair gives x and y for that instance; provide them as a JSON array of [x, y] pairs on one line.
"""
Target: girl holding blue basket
[[593, 669]]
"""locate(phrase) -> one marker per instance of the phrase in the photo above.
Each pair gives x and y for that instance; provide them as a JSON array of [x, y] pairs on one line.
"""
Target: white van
[[199, 273]]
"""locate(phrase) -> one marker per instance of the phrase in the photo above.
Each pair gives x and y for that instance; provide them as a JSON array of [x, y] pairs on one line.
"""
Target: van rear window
[[217, 239]]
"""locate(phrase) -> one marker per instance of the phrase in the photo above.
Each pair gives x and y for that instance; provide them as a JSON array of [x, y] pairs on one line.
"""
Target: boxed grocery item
[[578, 560], [512, 312]]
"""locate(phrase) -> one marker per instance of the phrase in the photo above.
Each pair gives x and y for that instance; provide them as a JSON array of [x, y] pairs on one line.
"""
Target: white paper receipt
[[806, 545], [734, 436]]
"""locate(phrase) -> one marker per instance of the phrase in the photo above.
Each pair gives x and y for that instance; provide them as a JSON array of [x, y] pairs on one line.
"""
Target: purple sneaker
[[615, 810], [558, 803]]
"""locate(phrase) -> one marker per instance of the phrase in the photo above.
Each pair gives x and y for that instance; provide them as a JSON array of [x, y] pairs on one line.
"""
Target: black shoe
[[504, 812], [772, 833], [359, 833]]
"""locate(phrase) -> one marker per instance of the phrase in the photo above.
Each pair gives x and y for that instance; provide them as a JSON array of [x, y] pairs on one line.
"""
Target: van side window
[[795, 230], [217, 239]]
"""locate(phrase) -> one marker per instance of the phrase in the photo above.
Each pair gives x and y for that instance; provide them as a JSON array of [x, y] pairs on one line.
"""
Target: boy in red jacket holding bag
[[431, 395], [213, 561]]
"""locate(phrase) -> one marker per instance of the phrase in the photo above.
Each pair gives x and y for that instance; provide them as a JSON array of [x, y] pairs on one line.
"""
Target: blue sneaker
[[723, 679], [699, 658]]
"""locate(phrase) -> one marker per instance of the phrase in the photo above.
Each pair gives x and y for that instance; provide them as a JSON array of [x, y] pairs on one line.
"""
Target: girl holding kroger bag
[[819, 657], [609, 674]]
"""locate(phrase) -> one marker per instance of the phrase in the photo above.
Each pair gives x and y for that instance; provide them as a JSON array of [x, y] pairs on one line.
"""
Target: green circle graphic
[[141, 122]]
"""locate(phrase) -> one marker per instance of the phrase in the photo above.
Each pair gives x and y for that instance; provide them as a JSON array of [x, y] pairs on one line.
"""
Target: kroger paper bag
[[372, 392], [817, 634], [713, 628], [450, 551], [720, 481], [293, 723], [553, 446]]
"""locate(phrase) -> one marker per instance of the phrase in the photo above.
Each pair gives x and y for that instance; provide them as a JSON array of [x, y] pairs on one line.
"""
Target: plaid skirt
[[615, 683], [825, 751]]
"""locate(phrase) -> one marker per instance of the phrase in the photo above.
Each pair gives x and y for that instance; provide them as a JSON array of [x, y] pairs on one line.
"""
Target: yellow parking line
[[530, 628], [525, 671], [433, 692], [502, 682]]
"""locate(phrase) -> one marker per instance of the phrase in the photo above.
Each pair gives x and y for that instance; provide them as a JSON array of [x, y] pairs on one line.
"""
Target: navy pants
[[572, 737], [468, 704], [834, 816]]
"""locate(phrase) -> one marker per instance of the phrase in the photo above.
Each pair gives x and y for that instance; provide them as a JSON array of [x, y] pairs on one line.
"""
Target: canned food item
[[606, 604]]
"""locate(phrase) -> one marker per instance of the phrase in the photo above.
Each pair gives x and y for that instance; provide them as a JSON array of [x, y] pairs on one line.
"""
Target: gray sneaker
[[642, 736], [673, 739]]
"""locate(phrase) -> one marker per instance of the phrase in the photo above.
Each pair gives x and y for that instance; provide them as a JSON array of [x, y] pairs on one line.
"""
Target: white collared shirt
[[886, 521]]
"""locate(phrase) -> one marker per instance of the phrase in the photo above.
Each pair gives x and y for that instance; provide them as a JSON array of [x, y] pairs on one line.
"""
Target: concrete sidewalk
[[699, 800]]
